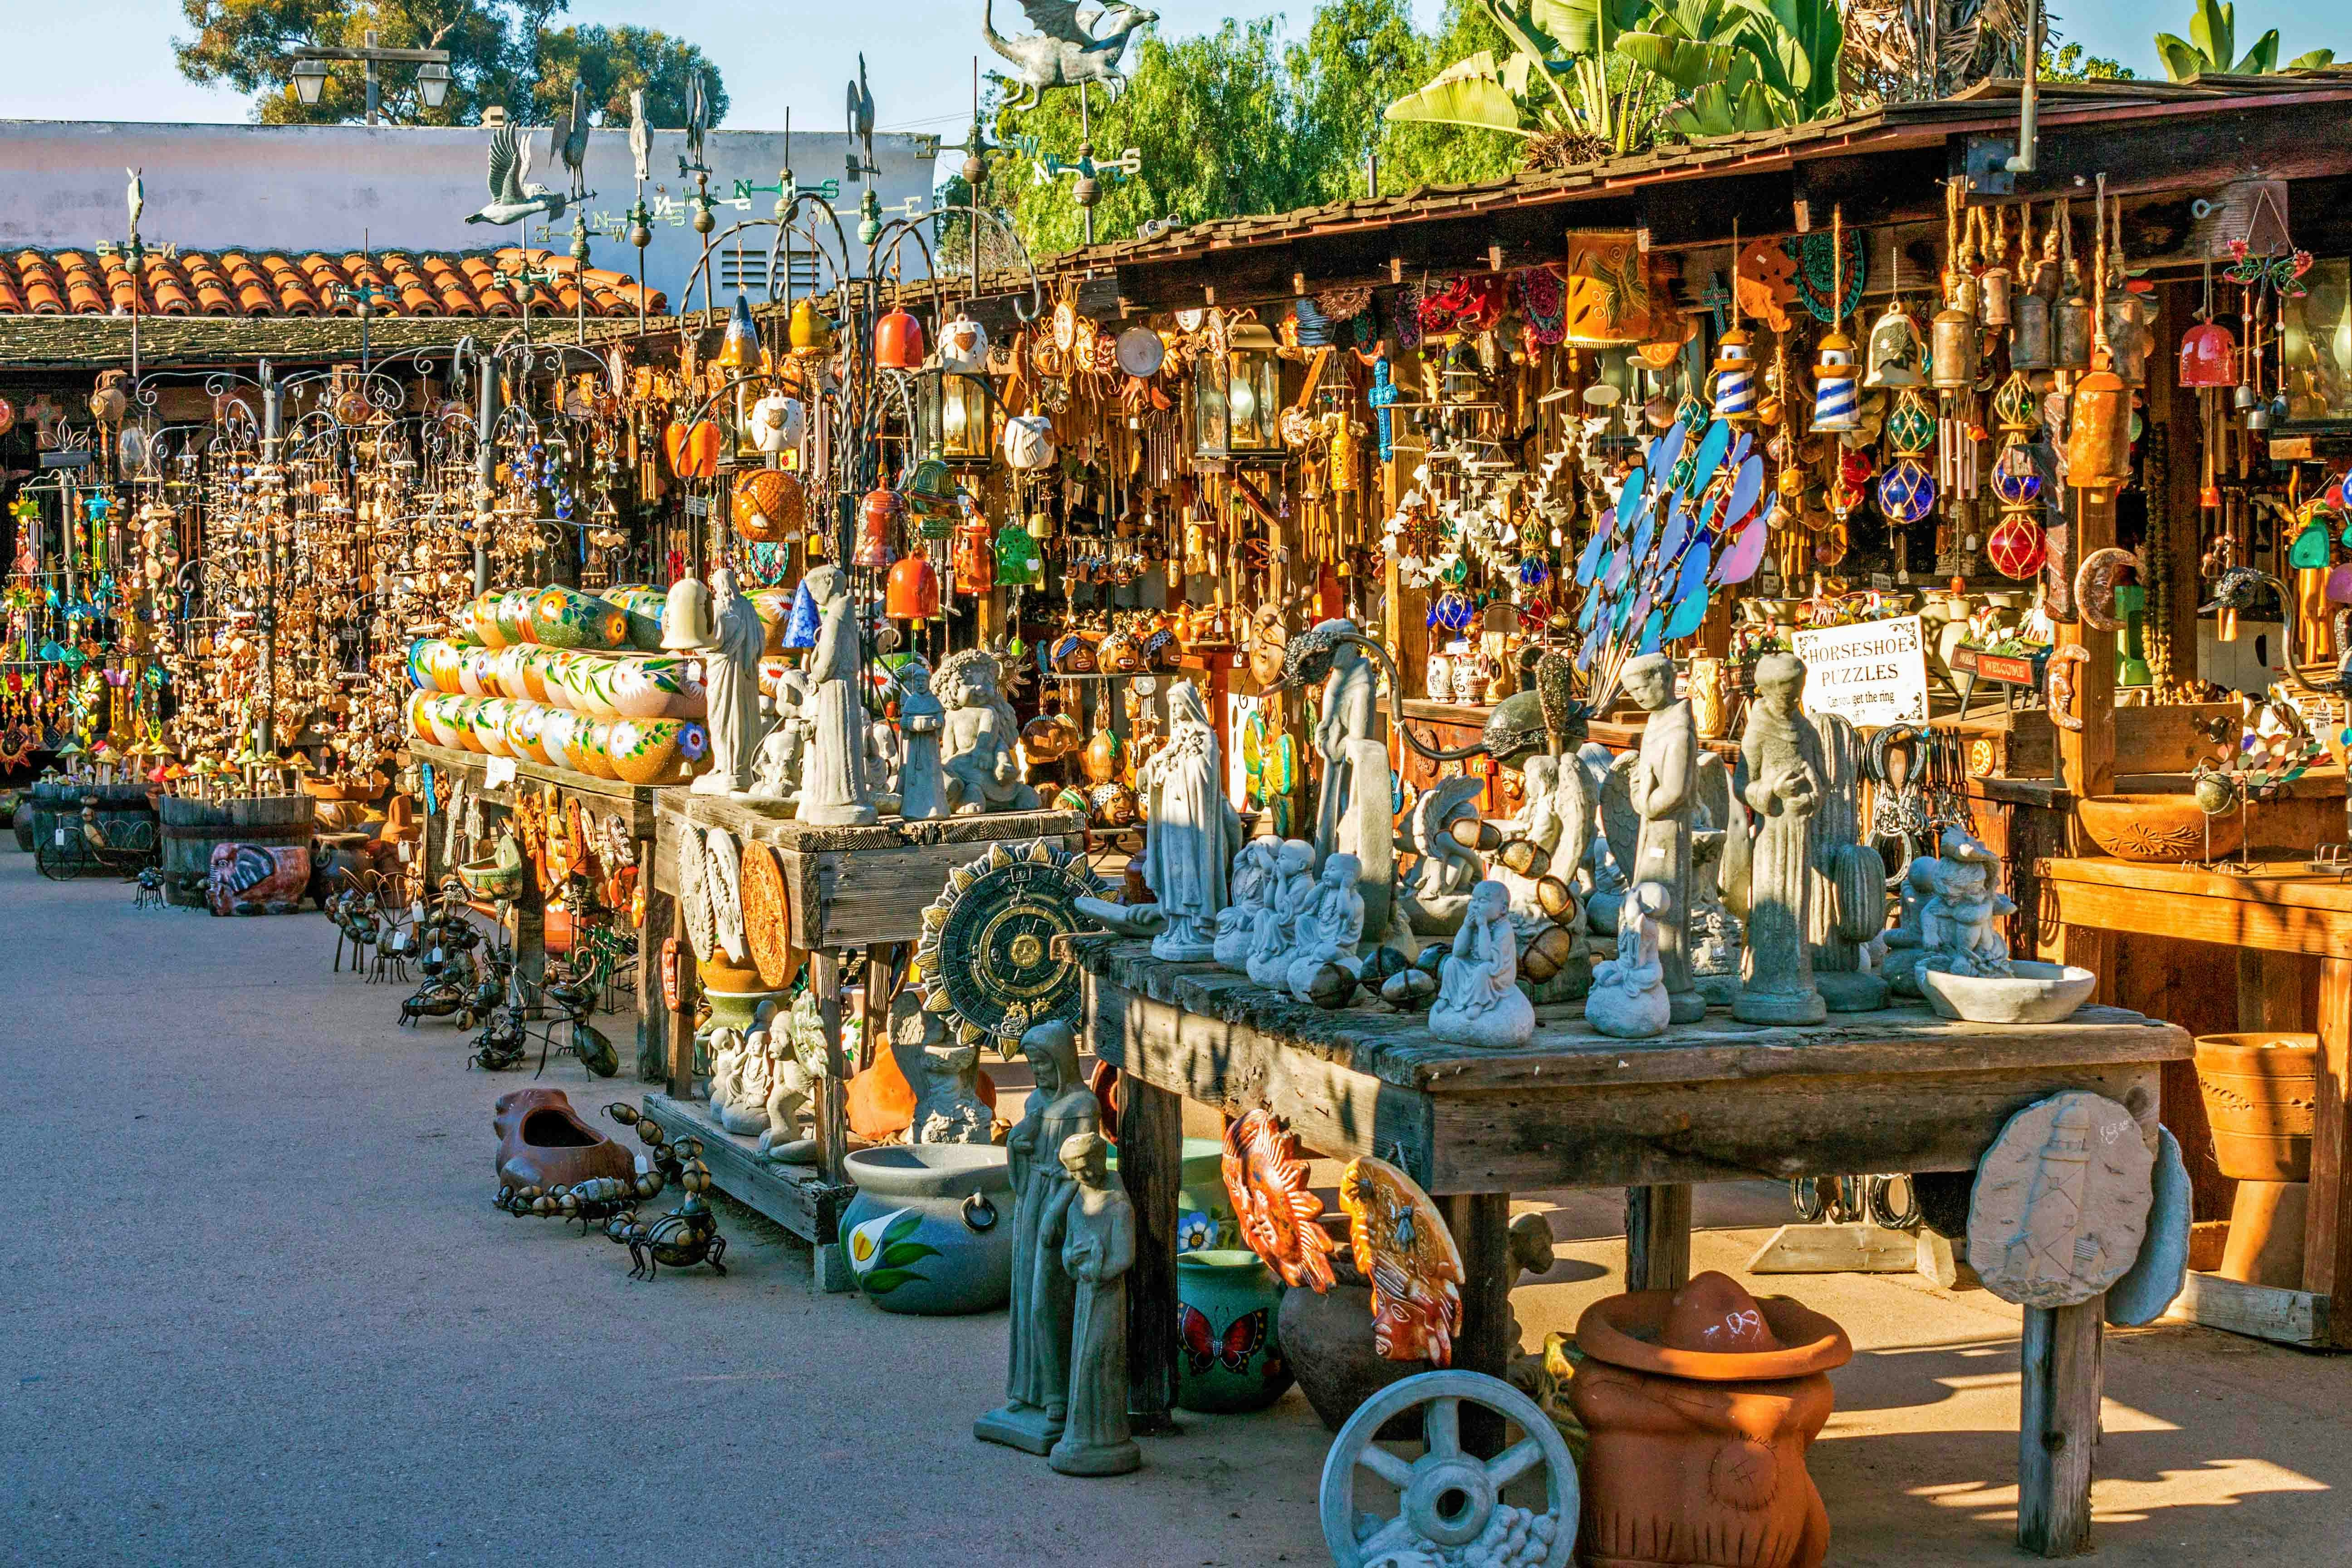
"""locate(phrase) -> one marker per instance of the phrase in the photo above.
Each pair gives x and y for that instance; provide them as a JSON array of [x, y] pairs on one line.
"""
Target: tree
[[2211, 47], [502, 52], [2069, 65]]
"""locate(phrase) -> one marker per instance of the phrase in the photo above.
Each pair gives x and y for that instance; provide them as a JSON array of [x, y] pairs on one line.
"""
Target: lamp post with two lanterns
[[432, 72]]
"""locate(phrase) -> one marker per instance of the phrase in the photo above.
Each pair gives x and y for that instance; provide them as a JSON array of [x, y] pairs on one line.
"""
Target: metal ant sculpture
[[149, 895], [688, 1234]]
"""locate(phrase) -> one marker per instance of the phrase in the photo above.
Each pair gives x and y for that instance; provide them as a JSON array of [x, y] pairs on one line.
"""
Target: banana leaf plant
[[2211, 48], [1742, 65], [1558, 78]]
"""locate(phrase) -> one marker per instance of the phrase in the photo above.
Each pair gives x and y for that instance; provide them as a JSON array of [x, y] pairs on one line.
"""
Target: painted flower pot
[[433, 664], [1205, 1214], [525, 722], [489, 726], [930, 1230], [775, 608], [480, 621], [567, 739], [419, 724], [644, 606], [506, 673], [1229, 1347], [655, 751], [530, 668], [445, 721], [566, 618], [663, 686]]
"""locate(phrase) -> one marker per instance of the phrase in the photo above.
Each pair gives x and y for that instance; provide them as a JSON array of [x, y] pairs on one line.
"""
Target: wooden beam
[[1657, 1236], [1150, 1164], [2327, 1223], [2058, 1427], [1481, 1224]]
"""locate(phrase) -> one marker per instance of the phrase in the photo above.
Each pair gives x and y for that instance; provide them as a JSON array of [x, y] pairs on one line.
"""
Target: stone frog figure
[[980, 770]]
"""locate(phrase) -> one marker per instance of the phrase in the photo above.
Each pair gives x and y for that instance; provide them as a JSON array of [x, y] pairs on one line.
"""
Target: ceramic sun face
[[1402, 1247], [1268, 1182]]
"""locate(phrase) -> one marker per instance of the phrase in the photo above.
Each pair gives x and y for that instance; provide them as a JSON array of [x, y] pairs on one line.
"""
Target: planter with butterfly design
[[1229, 1359]]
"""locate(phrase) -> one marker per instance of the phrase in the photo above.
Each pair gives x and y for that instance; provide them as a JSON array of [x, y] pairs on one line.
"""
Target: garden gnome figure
[[1664, 794], [731, 677], [833, 782], [1093, 1229], [1781, 784], [1479, 1002], [921, 720], [1192, 830], [1037, 1374]]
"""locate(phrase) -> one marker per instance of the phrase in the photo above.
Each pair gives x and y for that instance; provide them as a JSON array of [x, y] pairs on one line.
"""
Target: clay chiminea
[[543, 1143], [1701, 1403]]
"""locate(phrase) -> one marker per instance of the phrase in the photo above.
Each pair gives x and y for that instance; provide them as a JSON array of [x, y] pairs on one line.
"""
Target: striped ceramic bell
[[1837, 403], [1735, 377]]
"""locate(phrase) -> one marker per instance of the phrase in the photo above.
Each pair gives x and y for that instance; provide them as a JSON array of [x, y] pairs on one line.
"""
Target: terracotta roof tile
[[271, 283]]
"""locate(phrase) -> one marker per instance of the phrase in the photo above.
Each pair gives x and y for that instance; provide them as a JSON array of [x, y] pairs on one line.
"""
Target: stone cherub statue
[[1093, 1227], [1479, 1002], [1276, 930], [1629, 998], [797, 1051], [950, 1109], [1781, 782], [1330, 925], [1251, 884], [981, 770], [921, 718], [1959, 926]]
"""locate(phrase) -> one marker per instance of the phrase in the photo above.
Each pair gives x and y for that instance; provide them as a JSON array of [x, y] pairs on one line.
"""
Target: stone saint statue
[[1251, 885], [1479, 1002], [1037, 1374], [1351, 713], [1329, 928], [920, 719], [833, 782], [1629, 999], [1781, 784], [1292, 886], [1662, 788], [731, 677], [1092, 1227], [1191, 831]]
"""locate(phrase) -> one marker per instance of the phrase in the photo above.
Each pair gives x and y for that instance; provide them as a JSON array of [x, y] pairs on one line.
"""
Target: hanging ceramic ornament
[[1837, 403], [1896, 355], [2311, 549], [1735, 377], [2017, 547]]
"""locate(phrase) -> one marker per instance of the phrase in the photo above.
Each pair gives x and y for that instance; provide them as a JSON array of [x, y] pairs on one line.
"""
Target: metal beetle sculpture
[[688, 1234]]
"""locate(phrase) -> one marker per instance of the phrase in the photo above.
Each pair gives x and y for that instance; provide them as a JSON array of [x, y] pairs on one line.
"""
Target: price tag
[[61, 838], [501, 771]]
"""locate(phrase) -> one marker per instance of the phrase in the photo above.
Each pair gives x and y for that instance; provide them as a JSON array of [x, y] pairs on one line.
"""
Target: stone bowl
[[2157, 829], [2036, 994]]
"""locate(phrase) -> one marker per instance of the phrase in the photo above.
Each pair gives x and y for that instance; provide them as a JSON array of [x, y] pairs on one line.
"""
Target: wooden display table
[[849, 888], [2292, 931], [1713, 1101]]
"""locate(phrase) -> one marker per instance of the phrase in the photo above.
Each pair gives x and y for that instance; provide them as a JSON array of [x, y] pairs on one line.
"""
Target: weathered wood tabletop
[[1898, 1090]]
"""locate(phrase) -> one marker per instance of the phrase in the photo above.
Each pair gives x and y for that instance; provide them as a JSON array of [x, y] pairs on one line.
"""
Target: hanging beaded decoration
[[1907, 490], [1817, 273]]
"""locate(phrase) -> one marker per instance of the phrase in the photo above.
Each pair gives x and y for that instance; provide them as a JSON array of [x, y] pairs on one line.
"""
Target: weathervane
[[367, 297], [697, 121], [641, 233], [1064, 52], [1087, 190]]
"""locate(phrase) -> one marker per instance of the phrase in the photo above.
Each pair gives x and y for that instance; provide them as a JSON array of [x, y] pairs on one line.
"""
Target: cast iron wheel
[[1448, 1498]]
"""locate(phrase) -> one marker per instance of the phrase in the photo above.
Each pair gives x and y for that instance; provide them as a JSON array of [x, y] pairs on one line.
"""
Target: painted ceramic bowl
[[644, 606], [512, 613], [655, 751], [566, 618], [1229, 1348], [478, 620], [930, 1230], [654, 685], [419, 726], [488, 721], [433, 664], [526, 724], [477, 672]]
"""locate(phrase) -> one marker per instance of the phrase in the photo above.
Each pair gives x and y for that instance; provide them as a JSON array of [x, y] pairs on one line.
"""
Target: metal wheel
[[1448, 1500]]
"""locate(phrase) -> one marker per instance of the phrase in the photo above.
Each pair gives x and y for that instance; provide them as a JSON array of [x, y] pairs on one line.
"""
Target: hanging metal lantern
[[2099, 431], [2209, 356], [1896, 352], [1837, 403], [1954, 362], [1735, 377], [2029, 333]]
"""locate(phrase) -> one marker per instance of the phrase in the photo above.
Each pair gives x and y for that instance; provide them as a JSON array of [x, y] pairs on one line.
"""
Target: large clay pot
[[2261, 1093], [1700, 1405], [1229, 1341], [643, 607], [526, 723], [660, 685], [930, 1230], [492, 715], [1327, 1338], [566, 618], [655, 751], [2156, 828]]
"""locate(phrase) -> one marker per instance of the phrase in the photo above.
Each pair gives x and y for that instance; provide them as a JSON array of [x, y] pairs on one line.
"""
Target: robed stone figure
[[1093, 1228], [730, 678], [1663, 789], [1192, 830], [832, 776]]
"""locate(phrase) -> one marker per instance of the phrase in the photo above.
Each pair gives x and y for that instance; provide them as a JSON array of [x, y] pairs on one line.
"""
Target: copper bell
[[1954, 352], [2098, 432], [1994, 287], [2072, 345]]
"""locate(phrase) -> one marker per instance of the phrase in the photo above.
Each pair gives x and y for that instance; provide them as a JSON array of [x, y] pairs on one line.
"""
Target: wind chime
[[1955, 361]]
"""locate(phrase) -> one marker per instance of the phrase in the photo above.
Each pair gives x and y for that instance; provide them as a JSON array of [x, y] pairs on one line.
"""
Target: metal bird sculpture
[[138, 197], [567, 143], [512, 197], [861, 118], [697, 121], [1064, 52]]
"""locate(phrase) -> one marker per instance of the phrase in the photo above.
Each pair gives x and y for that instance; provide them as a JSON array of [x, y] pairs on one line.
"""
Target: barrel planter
[[125, 814], [194, 827]]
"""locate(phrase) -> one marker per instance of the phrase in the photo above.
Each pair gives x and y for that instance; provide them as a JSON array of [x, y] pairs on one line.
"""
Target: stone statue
[[730, 678], [1251, 885], [949, 1108], [1662, 789], [981, 770], [1330, 926], [1558, 820], [1620, 832], [745, 1110], [1479, 1002], [776, 771], [726, 1071], [833, 785], [1959, 926], [1192, 830], [1906, 941], [1437, 891], [1093, 1227], [1276, 930], [798, 1049], [1629, 998], [1037, 1374], [1351, 713], [921, 792], [1781, 782]]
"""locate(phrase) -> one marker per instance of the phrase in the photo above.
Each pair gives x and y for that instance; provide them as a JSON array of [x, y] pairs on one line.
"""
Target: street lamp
[[432, 74]]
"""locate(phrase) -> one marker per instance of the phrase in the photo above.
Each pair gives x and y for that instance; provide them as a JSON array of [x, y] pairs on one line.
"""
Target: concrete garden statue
[[921, 792], [1959, 925], [1663, 791], [1251, 885], [1330, 926], [1277, 932], [1779, 781], [981, 770], [833, 791], [730, 678], [1092, 1231], [1192, 831], [776, 770], [1479, 1002], [1629, 998]]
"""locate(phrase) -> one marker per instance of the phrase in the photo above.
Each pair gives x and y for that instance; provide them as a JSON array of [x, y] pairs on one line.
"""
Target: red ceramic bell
[[2209, 356], [877, 529], [913, 592], [898, 342], [974, 557]]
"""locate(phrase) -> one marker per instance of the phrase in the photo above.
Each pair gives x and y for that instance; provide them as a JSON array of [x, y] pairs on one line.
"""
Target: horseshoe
[[2095, 587], [2058, 687]]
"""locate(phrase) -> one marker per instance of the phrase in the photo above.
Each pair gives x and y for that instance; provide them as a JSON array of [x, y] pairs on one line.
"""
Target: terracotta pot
[[1700, 1405], [2157, 829], [543, 1143], [2262, 1091]]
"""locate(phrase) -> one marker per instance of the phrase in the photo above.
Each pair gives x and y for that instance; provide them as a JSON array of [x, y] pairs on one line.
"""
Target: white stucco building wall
[[329, 187]]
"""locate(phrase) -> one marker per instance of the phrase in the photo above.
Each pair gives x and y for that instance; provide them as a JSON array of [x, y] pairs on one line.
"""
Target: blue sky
[[798, 55]]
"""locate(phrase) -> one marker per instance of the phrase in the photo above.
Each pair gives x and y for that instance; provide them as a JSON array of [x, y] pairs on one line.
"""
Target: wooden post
[[1481, 1224], [832, 1107], [682, 1018], [2327, 1222], [2087, 756], [1151, 1165], [1657, 1236], [653, 1011], [874, 1006], [2058, 1427]]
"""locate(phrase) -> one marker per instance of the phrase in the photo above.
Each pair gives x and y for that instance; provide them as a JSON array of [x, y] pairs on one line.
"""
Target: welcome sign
[[1873, 674]]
